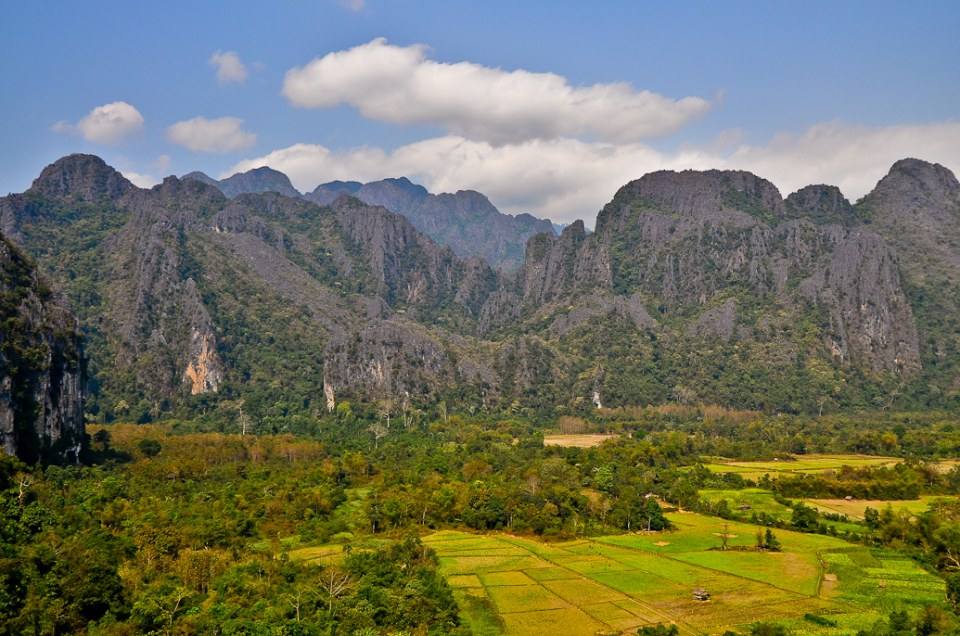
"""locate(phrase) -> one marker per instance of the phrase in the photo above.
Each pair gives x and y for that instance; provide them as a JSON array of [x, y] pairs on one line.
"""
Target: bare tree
[[379, 432], [335, 583], [179, 594], [23, 487], [296, 600]]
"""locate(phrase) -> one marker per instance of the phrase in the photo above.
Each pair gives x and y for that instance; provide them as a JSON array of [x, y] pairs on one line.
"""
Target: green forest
[[169, 529]]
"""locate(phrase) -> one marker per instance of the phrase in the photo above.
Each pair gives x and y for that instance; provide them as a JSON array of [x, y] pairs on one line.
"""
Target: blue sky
[[797, 92]]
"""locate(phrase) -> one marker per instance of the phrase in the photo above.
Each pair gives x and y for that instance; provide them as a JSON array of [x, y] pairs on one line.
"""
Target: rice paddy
[[518, 586], [801, 464]]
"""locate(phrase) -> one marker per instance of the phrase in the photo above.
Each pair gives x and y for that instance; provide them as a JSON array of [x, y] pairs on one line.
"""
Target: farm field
[[744, 502], [758, 500], [804, 464], [577, 440], [855, 508], [518, 586]]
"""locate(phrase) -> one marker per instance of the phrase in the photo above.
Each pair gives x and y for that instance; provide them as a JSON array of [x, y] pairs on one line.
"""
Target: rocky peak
[[263, 179], [202, 177], [181, 201], [327, 193], [399, 195], [821, 204], [83, 177], [722, 195], [913, 182]]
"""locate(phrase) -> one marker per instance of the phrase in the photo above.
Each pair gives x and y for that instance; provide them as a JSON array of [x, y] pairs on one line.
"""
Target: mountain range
[[694, 286], [465, 221]]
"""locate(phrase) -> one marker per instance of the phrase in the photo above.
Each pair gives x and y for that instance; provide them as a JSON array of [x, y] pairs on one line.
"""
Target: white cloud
[[851, 157], [400, 85], [224, 134], [566, 179], [230, 70], [140, 180], [107, 124], [162, 164], [353, 5]]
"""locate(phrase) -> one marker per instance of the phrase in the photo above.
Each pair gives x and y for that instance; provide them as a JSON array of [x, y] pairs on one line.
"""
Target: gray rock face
[[729, 196], [916, 206], [391, 359], [254, 181], [391, 245], [202, 178], [821, 204], [41, 367], [81, 177], [683, 241], [327, 193], [870, 318], [465, 221], [561, 266]]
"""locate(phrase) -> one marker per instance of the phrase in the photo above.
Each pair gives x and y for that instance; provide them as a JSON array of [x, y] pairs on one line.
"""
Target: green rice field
[[518, 586]]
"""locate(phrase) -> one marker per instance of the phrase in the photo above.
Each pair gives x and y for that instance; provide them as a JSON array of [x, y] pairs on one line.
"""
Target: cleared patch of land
[[526, 587], [800, 464], [577, 440], [854, 508]]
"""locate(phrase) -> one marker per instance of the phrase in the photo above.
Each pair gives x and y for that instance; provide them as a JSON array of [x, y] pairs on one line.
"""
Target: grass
[[617, 583]]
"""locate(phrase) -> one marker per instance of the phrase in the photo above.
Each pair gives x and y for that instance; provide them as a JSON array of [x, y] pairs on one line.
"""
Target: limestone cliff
[[41, 366]]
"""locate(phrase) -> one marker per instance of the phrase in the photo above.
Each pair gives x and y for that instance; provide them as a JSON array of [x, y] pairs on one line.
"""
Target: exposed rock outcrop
[[41, 366]]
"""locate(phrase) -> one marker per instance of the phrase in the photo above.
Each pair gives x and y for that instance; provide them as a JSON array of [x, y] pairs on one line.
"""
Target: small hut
[[701, 594]]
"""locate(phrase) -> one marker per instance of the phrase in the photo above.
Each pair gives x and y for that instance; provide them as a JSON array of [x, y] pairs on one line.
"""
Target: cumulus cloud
[[230, 70], [224, 134], [567, 179], [397, 84], [140, 180], [108, 124], [848, 156]]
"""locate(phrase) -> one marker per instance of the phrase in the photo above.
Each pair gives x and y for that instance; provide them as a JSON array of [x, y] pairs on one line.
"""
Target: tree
[[658, 630], [102, 439], [653, 514], [804, 517], [767, 629], [953, 590], [770, 541], [149, 447]]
